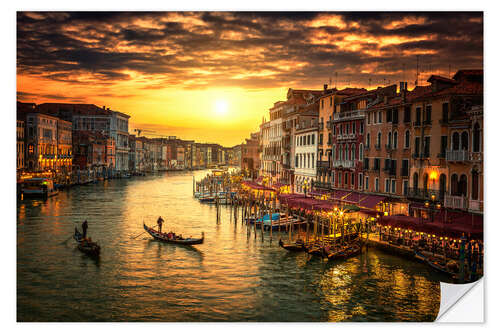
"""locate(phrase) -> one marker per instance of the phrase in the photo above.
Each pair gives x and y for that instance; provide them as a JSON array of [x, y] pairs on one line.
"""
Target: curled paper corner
[[457, 307]]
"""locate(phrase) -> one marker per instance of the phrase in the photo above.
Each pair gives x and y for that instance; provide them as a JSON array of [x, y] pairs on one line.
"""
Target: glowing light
[[433, 175], [221, 107]]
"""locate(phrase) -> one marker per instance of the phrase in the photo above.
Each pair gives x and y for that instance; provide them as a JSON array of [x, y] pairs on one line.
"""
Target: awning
[[371, 201]]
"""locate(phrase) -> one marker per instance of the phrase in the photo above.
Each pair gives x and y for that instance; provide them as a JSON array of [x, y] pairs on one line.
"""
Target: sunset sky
[[212, 76]]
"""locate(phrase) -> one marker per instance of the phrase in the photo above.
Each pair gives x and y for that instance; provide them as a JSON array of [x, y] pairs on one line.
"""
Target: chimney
[[325, 87], [403, 87], [104, 107]]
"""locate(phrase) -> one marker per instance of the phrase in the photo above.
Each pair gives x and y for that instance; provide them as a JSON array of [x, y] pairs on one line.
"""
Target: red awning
[[466, 224], [371, 201], [255, 186], [339, 194]]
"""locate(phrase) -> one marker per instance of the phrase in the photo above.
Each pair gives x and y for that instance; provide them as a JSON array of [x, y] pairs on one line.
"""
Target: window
[[379, 139], [418, 111], [405, 168], [368, 118], [367, 140], [352, 179], [444, 113], [417, 146], [380, 117], [389, 137], [407, 139], [376, 164], [464, 138], [331, 101], [345, 178], [405, 187], [455, 141], [388, 115], [428, 114], [395, 116], [346, 152], [476, 138], [366, 163], [360, 181], [353, 152], [387, 185], [427, 146], [320, 142], [366, 182], [347, 128], [308, 140], [475, 185], [360, 157], [361, 127], [376, 185], [407, 114], [444, 145], [312, 138], [393, 186], [322, 103], [340, 178]]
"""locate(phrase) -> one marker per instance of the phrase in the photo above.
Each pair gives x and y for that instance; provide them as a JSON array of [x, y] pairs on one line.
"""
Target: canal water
[[231, 277]]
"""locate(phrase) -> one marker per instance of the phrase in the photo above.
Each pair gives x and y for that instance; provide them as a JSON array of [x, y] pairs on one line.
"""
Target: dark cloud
[[246, 49]]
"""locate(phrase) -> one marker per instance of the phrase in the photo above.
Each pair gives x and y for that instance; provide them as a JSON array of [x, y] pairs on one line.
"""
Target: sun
[[221, 107]]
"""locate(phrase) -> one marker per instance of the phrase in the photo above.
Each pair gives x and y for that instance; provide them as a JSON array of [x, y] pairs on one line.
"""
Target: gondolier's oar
[[138, 235]]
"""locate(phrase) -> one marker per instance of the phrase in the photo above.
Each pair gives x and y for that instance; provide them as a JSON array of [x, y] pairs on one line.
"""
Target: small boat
[[164, 237], [86, 245], [435, 264], [298, 246]]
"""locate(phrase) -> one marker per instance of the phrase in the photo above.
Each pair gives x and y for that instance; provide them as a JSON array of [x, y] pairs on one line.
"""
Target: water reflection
[[238, 274]]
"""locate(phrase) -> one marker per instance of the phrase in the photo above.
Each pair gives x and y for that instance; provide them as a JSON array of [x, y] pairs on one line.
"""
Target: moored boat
[[169, 238], [38, 187], [298, 246]]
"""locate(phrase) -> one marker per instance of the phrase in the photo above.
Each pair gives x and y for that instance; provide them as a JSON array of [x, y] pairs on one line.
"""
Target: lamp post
[[433, 205]]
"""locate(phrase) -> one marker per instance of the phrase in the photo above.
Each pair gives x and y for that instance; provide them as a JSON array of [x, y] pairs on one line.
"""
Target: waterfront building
[[300, 105], [306, 149], [327, 104], [250, 155], [348, 133], [236, 156], [90, 153], [42, 142], [20, 145]]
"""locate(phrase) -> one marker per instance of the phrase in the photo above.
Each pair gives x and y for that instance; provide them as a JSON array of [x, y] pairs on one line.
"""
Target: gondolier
[[84, 228], [160, 222]]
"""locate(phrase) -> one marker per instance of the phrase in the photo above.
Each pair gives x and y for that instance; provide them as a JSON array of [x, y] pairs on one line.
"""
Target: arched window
[[407, 139], [464, 138], [360, 151], [389, 139], [475, 138], [475, 185], [462, 185], [426, 182], [454, 184], [368, 140], [346, 152], [353, 152], [395, 140], [455, 141], [379, 138], [334, 153], [415, 180]]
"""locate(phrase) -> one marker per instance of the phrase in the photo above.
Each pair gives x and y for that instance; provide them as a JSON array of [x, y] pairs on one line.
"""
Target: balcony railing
[[388, 147], [351, 136], [323, 164], [343, 164], [476, 205], [456, 202], [348, 115], [422, 193], [457, 155]]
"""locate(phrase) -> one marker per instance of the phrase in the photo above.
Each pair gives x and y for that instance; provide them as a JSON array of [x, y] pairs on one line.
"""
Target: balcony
[[343, 164], [388, 147], [476, 206], [351, 136], [339, 137], [457, 156], [456, 202], [426, 194], [349, 115], [323, 165], [321, 126]]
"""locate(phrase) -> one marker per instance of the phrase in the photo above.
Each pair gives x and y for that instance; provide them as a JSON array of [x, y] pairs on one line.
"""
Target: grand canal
[[231, 277]]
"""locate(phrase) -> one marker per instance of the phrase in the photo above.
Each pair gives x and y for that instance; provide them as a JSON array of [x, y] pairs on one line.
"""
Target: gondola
[[294, 247], [435, 264], [161, 236], [85, 245]]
